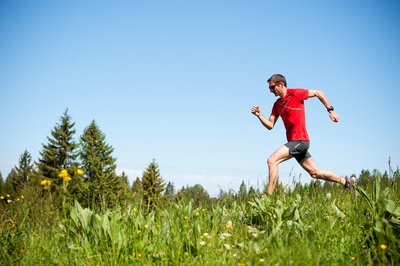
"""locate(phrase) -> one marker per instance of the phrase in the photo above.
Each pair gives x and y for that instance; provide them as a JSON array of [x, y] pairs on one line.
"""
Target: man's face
[[275, 88]]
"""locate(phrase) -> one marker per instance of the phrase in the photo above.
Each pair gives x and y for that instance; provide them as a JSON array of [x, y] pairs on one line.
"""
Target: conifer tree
[[152, 184], [124, 178], [136, 187], [60, 151], [25, 166], [1, 184], [12, 183], [170, 191], [99, 166], [242, 191]]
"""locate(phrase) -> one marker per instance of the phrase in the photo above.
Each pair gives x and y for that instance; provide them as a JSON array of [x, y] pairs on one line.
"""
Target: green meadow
[[71, 208], [302, 225]]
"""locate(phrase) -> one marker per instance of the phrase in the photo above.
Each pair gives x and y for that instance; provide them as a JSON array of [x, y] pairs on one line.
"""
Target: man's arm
[[321, 96], [268, 123]]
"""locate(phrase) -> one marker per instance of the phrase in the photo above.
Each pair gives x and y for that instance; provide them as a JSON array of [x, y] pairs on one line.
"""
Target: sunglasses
[[272, 87]]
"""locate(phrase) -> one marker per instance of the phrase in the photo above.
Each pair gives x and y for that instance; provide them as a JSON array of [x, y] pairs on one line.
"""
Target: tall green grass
[[306, 226]]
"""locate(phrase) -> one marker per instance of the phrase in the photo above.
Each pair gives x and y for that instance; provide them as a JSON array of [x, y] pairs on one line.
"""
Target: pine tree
[[170, 191], [136, 187], [124, 178], [152, 184], [242, 191], [25, 166], [1, 184], [99, 166], [60, 151], [12, 183]]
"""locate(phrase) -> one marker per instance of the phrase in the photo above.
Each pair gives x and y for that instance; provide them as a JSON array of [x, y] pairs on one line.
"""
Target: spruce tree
[[170, 191], [152, 184], [12, 183], [136, 187], [61, 150], [242, 191], [99, 166], [25, 166], [1, 184]]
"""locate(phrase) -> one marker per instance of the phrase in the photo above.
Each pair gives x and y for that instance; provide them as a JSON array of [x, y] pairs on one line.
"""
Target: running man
[[290, 106]]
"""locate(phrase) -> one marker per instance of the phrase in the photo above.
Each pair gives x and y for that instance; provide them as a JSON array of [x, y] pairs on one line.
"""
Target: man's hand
[[255, 110], [334, 116]]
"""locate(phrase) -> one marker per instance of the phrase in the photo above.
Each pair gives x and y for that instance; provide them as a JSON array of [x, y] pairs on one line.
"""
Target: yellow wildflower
[[1, 197], [353, 258], [79, 171], [64, 175], [383, 246], [9, 201], [22, 196], [45, 182]]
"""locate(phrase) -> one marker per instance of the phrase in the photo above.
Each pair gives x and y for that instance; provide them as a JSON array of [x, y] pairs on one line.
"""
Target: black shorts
[[299, 149]]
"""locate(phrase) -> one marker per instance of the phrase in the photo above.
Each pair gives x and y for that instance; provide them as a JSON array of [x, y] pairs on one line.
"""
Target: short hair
[[277, 78]]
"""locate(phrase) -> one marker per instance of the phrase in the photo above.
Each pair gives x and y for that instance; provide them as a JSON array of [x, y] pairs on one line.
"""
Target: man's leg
[[280, 155], [309, 165]]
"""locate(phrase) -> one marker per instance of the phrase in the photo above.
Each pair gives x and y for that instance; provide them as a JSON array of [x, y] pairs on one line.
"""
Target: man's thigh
[[281, 154]]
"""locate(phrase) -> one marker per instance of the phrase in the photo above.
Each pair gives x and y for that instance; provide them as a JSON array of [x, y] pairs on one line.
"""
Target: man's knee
[[271, 161], [314, 173]]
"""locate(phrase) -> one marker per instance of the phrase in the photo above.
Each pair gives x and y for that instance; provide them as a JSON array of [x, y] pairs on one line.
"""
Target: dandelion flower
[[383, 246], [9, 201], [353, 258], [79, 171], [1, 197], [45, 182], [63, 173]]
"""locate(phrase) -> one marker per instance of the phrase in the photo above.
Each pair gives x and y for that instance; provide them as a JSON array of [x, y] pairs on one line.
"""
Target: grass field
[[308, 225]]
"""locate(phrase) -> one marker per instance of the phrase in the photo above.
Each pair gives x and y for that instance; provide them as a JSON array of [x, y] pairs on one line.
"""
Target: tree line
[[84, 169]]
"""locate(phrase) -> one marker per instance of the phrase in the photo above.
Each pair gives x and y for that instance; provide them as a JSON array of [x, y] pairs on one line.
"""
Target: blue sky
[[174, 81]]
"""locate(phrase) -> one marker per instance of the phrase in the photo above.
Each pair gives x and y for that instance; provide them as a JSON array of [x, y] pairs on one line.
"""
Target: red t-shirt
[[291, 109]]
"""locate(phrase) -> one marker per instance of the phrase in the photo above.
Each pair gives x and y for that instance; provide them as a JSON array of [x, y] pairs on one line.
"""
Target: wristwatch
[[330, 108]]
